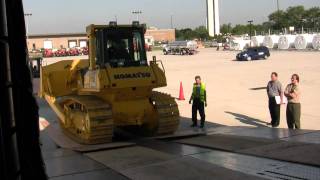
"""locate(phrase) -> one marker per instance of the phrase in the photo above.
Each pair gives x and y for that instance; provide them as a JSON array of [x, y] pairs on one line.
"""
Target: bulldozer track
[[168, 113], [96, 123]]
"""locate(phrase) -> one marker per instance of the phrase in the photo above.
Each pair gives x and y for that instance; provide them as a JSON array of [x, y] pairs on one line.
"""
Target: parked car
[[73, 52], [84, 51], [148, 47], [254, 53], [60, 52], [48, 53]]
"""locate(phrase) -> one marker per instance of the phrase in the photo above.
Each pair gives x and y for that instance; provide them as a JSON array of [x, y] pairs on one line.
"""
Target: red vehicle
[[84, 51], [48, 53], [73, 52], [226, 47], [148, 47], [61, 52]]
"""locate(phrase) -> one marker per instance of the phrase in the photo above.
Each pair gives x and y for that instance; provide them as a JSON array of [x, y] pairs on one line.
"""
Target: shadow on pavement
[[248, 120], [185, 123], [258, 88], [239, 61]]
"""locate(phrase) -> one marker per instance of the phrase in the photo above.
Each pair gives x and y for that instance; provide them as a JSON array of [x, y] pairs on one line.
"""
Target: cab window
[[120, 48]]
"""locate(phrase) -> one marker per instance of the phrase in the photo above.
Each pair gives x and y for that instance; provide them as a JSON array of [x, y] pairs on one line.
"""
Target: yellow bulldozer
[[112, 89]]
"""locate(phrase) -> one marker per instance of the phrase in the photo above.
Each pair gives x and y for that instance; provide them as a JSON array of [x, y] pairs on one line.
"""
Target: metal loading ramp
[[218, 152]]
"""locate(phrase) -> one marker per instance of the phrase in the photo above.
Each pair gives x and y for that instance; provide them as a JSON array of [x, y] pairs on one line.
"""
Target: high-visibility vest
[[202, 92]]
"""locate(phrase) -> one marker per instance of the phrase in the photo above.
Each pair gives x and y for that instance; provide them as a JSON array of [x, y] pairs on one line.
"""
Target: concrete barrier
[[303, 41], [286, 41], [316, 42], [271, 41]]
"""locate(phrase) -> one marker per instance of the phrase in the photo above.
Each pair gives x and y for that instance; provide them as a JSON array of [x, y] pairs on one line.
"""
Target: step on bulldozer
[[112, 89]]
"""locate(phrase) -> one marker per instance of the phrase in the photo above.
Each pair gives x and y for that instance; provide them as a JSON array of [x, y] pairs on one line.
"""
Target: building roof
[[56, 35]]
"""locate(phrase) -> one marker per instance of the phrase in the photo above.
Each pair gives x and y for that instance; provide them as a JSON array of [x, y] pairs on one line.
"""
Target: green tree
[[188, 34], [278, 20], [201, 33], [220, 38], [226, 29], [241, 29], [179, 34], [267, 25], [312, 17], [185, 34], [296, 16]]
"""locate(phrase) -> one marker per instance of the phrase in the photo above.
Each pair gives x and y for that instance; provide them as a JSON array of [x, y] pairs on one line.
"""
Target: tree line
[[280, 21]]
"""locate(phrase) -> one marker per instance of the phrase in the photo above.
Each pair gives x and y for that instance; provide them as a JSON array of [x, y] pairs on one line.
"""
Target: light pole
[[250, 22], [137, 13], [171, 21], [27, 15]]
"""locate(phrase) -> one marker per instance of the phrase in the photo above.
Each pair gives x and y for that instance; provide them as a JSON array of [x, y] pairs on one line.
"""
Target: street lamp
[[250, 22], [137, 14], [27, 15]]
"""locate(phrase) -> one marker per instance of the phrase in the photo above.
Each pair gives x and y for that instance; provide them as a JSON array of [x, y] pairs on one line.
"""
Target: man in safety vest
[[199, 101]]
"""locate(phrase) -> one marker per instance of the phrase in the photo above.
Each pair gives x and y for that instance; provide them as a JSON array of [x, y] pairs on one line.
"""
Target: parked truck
[[180, 48]]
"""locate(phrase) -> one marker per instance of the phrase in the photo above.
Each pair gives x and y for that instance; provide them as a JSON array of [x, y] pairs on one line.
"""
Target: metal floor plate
[[131, 157], [93, 175], [172, 148], [261, 132], [71, 165], [312, 137], [50, 154], [227, 142], [185, 168], [266, 168], [47, 142], [302, 153]]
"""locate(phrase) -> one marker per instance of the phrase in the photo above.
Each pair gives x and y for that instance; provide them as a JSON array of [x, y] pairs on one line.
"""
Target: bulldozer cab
[[119, 46]]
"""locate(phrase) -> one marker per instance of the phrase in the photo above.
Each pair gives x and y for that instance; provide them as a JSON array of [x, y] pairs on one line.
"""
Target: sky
[[69, 16]]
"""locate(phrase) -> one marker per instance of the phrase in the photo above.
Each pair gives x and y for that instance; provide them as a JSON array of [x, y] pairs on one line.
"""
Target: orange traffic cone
[[181, 94]]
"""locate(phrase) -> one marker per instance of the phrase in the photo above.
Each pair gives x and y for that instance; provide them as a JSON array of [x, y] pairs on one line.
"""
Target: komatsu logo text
[[132, 75]]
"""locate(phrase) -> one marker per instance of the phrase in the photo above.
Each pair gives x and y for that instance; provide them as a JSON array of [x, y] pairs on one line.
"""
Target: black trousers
[[197, 105], [274, 109], [293, 115]]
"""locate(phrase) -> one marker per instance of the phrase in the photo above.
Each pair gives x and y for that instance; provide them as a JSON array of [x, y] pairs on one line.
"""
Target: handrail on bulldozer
[[154, 60]]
